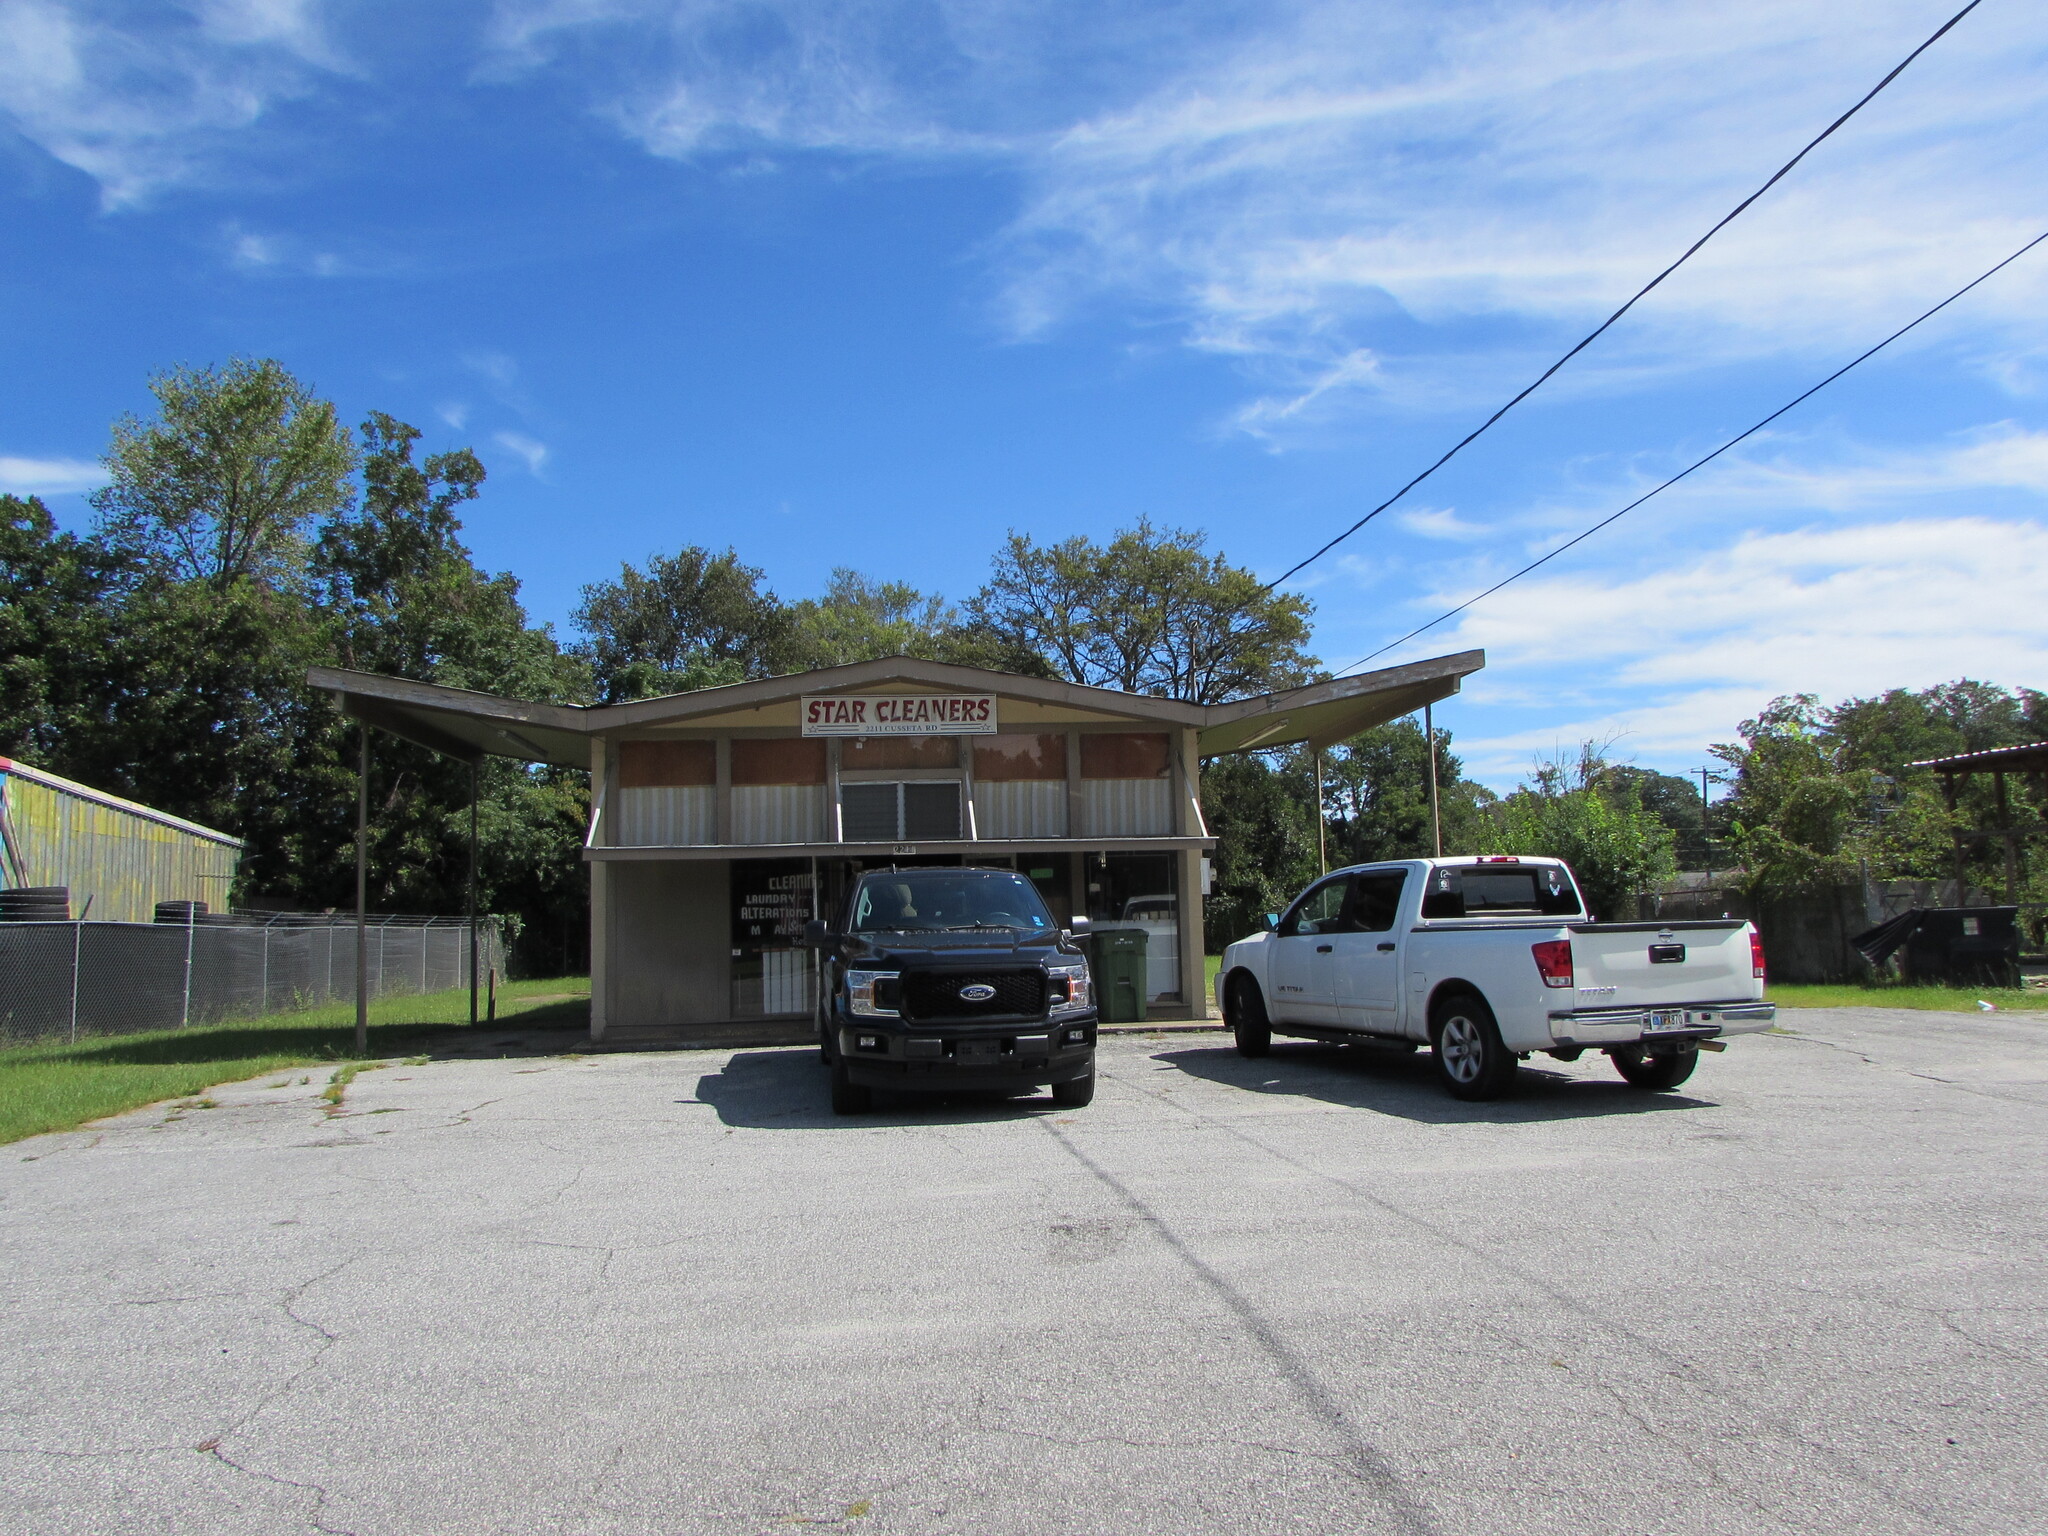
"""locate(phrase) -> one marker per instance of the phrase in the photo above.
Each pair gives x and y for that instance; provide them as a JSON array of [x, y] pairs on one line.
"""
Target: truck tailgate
[[1661, 963]]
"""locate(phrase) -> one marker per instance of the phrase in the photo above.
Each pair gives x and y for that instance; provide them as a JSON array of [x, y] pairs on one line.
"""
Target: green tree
[[1154, 611], [1576, 811], [222, 485], [689, 620], [861, 619], [1376, 795], [56, 595], [1265, 842]]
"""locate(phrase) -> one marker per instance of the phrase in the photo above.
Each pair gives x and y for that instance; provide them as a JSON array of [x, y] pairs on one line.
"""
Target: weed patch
[[58, 1087]]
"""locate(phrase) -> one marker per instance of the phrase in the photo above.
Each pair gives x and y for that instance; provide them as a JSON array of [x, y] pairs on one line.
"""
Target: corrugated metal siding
[[1127, 807], [666, 818], [125, 862], [778, 813], [1024, 808]]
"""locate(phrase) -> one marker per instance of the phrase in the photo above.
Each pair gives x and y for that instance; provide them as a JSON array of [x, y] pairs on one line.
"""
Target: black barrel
[[36, 904]]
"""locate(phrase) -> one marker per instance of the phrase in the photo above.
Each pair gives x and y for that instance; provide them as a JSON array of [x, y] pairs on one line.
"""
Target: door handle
[[1386, 949], [1324, 949]]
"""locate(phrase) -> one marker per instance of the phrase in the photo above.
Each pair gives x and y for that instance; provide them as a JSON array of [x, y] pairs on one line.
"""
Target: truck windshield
[[912, 900]]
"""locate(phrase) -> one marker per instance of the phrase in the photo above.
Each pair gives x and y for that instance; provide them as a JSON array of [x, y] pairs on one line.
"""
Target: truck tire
[[1655, 1071], [1075, 1093], [849, 1097], [1471, 1061], [1248, 1022]]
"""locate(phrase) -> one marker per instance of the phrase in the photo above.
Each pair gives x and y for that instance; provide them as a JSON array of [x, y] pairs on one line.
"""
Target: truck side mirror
[[1272, 921], [816, 935], [1077, 924]]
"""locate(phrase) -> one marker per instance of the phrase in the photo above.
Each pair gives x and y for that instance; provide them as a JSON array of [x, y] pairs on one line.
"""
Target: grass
[[1896, 995], [59, 1087], [1873, 995]]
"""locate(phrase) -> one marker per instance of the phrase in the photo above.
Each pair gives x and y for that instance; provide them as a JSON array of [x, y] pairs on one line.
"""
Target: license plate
[[1663, 1020]]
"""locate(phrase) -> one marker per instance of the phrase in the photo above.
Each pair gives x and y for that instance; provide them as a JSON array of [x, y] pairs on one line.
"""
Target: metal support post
[[1322, 822], [472, 891], [77, 934], [1436, 816], [2012, 873], [363, 896]]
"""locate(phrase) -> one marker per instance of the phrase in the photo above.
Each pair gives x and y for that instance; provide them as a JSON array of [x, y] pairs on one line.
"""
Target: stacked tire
[[36, 904]]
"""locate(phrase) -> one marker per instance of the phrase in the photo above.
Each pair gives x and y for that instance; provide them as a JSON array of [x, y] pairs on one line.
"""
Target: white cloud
[[1708, 638], [534, 452], [49, 477], [145, 101]]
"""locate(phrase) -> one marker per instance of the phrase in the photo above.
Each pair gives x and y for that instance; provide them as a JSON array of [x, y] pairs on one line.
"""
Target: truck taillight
[[1756, 954], [1554, 961]]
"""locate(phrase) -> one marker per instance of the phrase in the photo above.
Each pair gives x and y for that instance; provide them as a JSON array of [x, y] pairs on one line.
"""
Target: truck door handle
[[1324, 949], [1386, 949]]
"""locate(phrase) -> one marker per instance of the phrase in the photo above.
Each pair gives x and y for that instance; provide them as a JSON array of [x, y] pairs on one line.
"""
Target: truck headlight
[[1070, 992], [874, 992]]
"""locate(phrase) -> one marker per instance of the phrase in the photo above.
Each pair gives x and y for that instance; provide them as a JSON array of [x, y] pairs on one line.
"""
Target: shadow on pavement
[[788, 1090], [1391, 1081]]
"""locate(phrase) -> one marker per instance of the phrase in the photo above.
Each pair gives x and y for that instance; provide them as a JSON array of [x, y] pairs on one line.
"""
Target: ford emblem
[[980, 992]]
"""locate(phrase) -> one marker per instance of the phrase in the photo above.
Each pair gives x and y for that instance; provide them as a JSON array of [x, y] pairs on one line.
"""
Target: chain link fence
[[70, 980]]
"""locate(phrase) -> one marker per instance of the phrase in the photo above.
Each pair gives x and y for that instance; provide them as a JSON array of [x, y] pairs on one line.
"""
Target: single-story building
[[722, 820], [115, 859]]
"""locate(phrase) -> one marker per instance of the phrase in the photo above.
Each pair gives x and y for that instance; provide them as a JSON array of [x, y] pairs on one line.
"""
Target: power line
[[1700, 463], [1596, 333]]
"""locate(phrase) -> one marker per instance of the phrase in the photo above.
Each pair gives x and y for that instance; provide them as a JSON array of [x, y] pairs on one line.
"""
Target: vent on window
[[919, 810]]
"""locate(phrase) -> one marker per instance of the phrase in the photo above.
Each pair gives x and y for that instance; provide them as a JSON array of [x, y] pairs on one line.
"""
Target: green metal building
[[119, 859]]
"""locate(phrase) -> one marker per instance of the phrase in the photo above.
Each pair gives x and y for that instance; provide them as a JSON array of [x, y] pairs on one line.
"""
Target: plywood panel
[[899, 752], [667, 933], [666, 764], [1125, 755], [1017, 756], [793, 760]]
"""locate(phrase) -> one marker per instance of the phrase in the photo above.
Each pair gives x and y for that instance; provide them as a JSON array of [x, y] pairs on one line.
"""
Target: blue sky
[[871, 285]]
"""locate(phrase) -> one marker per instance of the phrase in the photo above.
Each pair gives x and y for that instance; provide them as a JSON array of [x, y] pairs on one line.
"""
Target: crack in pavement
[[1678, 1366], [1367, 1464]]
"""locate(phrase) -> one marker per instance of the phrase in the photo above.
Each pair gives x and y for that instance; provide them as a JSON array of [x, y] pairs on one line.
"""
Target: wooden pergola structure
[[1998, 762]]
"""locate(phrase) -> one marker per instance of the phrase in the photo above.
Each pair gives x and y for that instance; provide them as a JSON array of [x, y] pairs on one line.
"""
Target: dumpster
[[1966, 946], [1116, 959], [1949, 946]]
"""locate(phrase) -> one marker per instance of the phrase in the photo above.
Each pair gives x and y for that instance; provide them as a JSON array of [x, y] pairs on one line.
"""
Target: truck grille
[[936, 994]]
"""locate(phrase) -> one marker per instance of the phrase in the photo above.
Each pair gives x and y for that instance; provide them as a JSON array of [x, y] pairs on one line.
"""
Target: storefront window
[[1141, 890], [772, 899]]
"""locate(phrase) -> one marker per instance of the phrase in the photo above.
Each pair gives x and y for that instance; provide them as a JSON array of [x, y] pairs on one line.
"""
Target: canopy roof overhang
[[472, 726], [2031, 757]]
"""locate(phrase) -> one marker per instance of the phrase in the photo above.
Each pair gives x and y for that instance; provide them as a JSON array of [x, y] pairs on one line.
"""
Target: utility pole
[[1706, 837], [1436, 815], [363, 896]]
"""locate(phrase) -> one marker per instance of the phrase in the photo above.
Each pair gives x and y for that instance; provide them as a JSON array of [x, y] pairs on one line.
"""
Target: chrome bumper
[[1625, 1026]]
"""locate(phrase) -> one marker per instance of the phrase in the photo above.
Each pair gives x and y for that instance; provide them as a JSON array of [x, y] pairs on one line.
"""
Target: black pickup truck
[[952, 980]]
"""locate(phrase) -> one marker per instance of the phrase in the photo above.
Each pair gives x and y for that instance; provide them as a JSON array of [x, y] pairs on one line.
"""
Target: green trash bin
[[1116, 959]]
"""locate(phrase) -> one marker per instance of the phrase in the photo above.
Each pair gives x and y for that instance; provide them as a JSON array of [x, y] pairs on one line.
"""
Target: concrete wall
[[669, 943]]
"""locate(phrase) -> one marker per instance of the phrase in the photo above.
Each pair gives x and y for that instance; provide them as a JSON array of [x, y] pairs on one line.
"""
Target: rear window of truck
[[1532, 890]]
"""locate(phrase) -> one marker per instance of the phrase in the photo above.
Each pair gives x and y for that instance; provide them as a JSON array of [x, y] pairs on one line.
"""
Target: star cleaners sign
[[911, 714]]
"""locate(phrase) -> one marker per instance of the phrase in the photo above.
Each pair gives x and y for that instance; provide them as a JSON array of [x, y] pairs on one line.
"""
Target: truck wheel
[[1075, 1093], [1471, 1061], [1248, 1023], [1664, 1069], [849, 1097]]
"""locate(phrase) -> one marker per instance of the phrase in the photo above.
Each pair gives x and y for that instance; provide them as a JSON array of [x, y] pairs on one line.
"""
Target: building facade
[[723, 820]]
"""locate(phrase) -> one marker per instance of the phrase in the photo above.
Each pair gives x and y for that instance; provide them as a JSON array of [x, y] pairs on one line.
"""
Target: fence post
[[77, 935], [185, 1017]]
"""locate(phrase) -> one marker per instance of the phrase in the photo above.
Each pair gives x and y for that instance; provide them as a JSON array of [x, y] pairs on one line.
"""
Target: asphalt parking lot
[[668, 1292]]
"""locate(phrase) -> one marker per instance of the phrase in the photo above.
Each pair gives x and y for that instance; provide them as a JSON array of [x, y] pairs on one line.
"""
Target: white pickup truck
[[1489, 960]]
